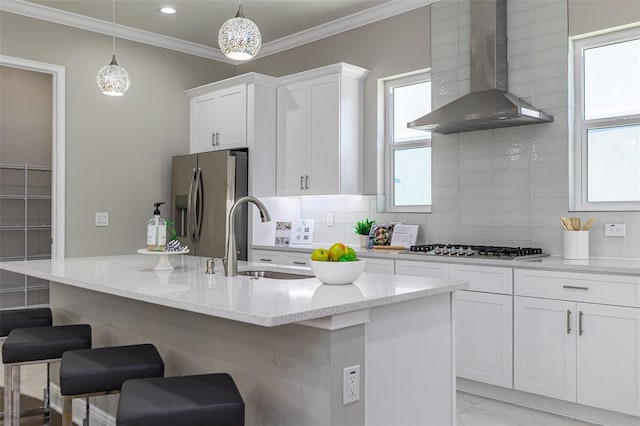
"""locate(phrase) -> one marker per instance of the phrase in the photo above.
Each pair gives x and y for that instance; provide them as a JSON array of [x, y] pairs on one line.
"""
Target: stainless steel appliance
[[492, 252], [203, 189], [489, 105]]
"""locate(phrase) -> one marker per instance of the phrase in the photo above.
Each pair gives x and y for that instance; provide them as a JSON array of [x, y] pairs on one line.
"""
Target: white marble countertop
[[556, 263], [263, 301]]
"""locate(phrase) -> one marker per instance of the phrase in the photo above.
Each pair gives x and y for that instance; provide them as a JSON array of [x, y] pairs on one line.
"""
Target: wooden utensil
[[566, 223], [575, 223], [588, 224]]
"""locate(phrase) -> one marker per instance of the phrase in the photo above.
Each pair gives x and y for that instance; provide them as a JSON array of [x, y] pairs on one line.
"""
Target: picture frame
[[380, 235]]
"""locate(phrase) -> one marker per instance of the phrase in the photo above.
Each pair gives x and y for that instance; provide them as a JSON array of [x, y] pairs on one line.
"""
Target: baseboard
[[550, 405], [98, 416]]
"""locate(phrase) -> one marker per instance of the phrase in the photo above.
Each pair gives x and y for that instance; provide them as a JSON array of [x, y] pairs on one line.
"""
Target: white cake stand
[[163, 260]]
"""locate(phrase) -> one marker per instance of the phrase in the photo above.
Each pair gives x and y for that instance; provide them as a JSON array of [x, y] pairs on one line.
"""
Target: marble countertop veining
[[556, 263], [263, 301]]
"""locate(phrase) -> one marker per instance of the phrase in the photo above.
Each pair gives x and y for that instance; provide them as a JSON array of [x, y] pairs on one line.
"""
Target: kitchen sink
[[275, 275]]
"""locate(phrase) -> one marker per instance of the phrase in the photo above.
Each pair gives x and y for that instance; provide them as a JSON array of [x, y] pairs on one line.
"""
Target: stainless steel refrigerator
[[204, 187]]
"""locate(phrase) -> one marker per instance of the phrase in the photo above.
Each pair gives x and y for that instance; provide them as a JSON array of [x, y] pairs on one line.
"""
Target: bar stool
[[202, 400], [19, 318], [102, 371], [26, 317], [35, 345]]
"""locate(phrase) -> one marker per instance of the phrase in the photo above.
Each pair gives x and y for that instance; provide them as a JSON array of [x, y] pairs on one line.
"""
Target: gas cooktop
[[468, 250]]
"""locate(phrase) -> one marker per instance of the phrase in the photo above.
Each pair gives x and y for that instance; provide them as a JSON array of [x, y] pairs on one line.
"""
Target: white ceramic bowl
[[337, 272]]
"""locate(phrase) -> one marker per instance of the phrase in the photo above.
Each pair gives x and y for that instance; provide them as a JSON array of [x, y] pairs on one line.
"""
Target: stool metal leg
[[67, 410], [85, 422], [15, 384], [7, 395]]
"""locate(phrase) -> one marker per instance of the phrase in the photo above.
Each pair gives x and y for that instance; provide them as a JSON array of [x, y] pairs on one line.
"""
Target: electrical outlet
[[351, 384], [102, 219], [614, 230], [329, 218]]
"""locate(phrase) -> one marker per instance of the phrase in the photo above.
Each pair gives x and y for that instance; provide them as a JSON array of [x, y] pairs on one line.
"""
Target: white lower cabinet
[[484, 327], [380, 266], [608, 364], [580, 352], [484, 337], [422, 269], [267, 256], [297, 259], [545, 347]]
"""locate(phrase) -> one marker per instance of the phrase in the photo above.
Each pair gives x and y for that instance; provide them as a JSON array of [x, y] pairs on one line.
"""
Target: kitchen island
[[285, 342]]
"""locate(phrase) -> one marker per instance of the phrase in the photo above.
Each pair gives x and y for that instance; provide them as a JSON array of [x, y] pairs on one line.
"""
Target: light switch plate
[[102, 219]]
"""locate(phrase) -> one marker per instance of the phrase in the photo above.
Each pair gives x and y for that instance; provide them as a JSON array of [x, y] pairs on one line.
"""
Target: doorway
[[31, 172]]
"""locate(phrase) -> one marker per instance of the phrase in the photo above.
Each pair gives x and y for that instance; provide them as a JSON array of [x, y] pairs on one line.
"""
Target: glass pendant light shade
[[112, 79], [239, 38]]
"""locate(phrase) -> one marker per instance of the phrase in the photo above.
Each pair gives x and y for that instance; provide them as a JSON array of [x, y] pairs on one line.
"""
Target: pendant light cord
[[113, 23]]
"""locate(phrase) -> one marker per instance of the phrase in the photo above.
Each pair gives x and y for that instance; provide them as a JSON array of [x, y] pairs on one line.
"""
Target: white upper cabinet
[[239, 112], [319, 131], [219, 119]]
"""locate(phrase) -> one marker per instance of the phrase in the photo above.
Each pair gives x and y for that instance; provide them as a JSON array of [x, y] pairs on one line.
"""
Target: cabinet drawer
[[265, 256], [380, 266], [298, 259], [484, 278], [422, 269], [623, 290]]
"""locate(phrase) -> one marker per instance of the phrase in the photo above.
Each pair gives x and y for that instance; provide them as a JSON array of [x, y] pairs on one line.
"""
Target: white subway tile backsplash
[[543, 10], [520, 62], [550, 70], [552, 55], [542, 28]]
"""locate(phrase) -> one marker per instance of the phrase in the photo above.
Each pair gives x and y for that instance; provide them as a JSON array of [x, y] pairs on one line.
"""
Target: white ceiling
[[194, 28]]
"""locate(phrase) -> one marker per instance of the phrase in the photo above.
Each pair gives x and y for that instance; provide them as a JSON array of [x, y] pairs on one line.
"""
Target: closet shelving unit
[[25, 230]]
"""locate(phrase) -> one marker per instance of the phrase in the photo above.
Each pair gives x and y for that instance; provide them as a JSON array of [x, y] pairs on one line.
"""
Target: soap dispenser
[[157, 231]]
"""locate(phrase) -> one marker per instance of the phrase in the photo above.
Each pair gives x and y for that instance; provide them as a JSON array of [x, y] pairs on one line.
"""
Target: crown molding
[[369, 16], [45, 13], [57, 16]]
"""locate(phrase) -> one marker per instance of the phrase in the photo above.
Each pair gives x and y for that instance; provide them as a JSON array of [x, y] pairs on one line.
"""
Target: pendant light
[[112, 79], [239, 38]]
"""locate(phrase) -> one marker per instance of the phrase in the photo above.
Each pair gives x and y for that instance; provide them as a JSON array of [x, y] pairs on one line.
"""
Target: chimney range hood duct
[[489, 105]]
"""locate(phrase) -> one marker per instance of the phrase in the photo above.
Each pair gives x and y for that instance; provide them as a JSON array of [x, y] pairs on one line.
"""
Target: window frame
[[390, 147], [578, 134]]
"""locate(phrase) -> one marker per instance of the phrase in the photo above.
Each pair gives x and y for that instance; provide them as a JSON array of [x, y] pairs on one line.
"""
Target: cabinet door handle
[[299, 263], [568, 321], [217, 139], [575, 287], [301, 182], [213, 138], [580, 315], [306, 182], [265, 260]]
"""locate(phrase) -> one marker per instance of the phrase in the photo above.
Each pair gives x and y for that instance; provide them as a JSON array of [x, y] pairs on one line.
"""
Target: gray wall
[[393, 46], [586, 16], [118, 149]]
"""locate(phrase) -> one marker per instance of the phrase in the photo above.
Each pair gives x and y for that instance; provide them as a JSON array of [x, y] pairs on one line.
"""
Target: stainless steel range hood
[[489, 105]]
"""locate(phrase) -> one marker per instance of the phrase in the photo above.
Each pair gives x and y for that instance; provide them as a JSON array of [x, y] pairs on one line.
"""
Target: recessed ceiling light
[[168, 10]]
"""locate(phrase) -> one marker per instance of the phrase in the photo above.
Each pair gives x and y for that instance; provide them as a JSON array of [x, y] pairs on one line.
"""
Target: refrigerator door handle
[[190, 208], [197, 204]]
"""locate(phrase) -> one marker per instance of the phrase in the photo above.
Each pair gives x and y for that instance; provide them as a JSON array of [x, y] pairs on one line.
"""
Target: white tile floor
[[476, 410], [472, 410]]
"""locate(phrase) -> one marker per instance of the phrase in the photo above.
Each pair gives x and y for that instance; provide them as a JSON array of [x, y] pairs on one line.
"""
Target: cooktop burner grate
[[463, 250]]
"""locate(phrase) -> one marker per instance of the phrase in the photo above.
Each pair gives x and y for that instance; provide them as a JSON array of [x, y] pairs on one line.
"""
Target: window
[[607, 121], [407, 151]]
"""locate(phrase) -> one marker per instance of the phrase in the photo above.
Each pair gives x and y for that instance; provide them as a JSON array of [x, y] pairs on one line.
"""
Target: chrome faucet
[[230, 261]]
